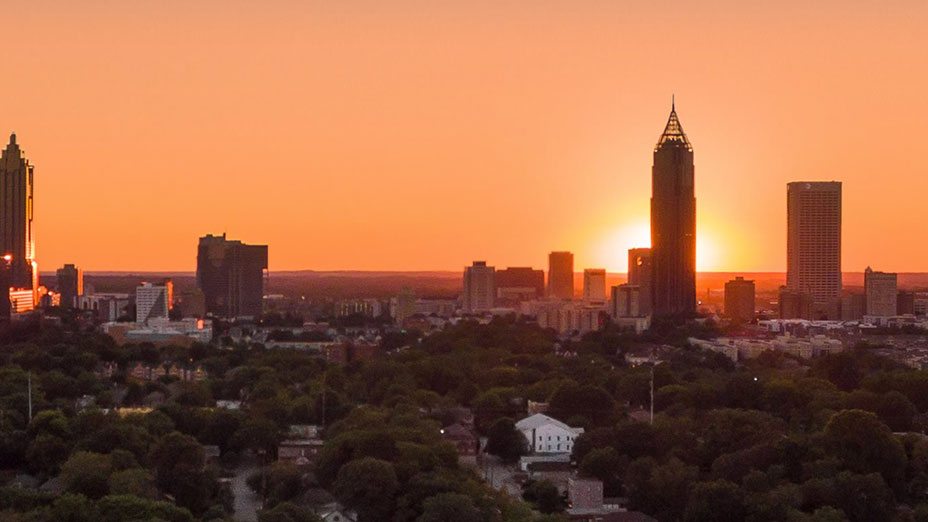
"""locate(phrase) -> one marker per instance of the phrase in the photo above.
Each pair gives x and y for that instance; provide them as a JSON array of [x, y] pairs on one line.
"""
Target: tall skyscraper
[[813, 247], [16, 237], [561, 275], [70, 281], [231, 276], [151, 303], [673, 223], [639, 274], [594, 285], [479, 287], [881, 291], [739, 299]]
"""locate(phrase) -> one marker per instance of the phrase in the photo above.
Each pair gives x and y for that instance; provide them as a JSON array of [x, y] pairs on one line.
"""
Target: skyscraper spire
[[673, 132]]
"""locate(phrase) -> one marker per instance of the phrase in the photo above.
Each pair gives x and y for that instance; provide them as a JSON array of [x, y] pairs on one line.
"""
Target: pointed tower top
[[673, 132], [13, 139]]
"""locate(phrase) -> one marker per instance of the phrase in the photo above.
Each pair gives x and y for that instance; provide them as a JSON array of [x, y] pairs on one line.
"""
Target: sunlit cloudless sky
[[419, 135]]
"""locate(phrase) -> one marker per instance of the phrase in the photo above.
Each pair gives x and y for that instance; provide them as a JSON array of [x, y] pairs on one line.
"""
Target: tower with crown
[[673, 223]]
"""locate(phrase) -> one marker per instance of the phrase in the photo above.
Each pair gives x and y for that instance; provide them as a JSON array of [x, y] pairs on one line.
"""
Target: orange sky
[[408, 135]]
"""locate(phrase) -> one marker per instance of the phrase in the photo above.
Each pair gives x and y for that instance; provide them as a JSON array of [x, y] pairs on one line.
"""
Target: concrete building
[[70, 282], [853, 307], [739, 299], [16, 213], [905, 303], [639, 274], [151, 303], [364, 307], [517, 284], [231, 276], [794, 305], [625, 301], [479, 287], [403, 305], [547, 435], [813, 247], [881, 291], [673, 223], [561, 275], [594, 285]]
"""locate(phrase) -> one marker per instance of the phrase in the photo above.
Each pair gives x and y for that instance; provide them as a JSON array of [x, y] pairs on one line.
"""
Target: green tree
[[449, 507], [544, 495], [865, 445], [719, 501], [505, 441], [368, 486], [87, 473]]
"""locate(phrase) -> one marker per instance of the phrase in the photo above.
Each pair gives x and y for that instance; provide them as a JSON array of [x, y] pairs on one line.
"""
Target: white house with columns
[[548, 435]]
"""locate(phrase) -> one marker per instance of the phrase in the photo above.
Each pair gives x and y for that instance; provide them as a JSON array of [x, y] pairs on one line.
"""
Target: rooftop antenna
[[672, 102]]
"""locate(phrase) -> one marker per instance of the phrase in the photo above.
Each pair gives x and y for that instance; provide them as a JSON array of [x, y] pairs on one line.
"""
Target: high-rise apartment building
[[561, 275], [813, 247], [151, 303], [479, 287], [231, 276], [70, 281], [673, 223], [594, 285], [403, 305], [881, 291], [739, 299], [639, 274], [16, 205]]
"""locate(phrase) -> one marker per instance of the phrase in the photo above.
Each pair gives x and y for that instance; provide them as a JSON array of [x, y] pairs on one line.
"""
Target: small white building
[[547, 435]]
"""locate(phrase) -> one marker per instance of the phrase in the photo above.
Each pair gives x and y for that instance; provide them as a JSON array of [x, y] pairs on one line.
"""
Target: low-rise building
[[548, 435]]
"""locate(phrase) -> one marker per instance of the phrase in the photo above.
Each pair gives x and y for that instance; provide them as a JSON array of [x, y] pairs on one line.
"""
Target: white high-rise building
[[151, 303], [479, 287], [594, 285]]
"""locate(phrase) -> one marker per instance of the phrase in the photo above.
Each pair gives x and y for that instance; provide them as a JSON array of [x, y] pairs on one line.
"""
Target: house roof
[[538, 420]]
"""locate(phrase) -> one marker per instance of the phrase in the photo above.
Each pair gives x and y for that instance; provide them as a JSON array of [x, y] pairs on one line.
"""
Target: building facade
[[813, 248], [639, 274], [739, 299], [479, 287], [231, 276], [673, 223], [594, 285], [151, 303], [561, 275], [16, 213], [519, 283], [70, 281], [881, 291]]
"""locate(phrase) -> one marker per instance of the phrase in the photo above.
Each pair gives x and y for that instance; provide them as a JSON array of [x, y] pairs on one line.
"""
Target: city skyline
[[364, 145]]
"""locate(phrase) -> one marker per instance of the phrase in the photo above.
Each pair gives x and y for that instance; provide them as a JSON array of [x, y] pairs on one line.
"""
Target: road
[[247, 502]]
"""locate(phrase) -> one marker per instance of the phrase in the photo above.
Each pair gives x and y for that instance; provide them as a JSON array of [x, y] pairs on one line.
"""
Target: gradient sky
[[408, 135]]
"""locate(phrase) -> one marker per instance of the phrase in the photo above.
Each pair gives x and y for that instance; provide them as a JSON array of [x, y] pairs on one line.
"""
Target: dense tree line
[[774, 439]]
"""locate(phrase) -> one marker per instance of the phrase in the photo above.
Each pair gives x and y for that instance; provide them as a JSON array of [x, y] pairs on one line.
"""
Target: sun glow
[[636, 235]]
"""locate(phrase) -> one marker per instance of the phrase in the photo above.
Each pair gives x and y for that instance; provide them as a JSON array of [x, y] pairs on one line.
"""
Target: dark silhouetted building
[[905, 303], [594, 285], [794, 305], [479, 287], [813, 248], [70, 281], [16, 206], [882, 291], [639, 274], [231, 276], [519, 283], [561, 275], [739, 299], [853, 307], [673, 223]]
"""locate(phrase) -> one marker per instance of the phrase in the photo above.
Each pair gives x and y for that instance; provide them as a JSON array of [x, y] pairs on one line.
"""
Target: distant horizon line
[[437, 272]]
